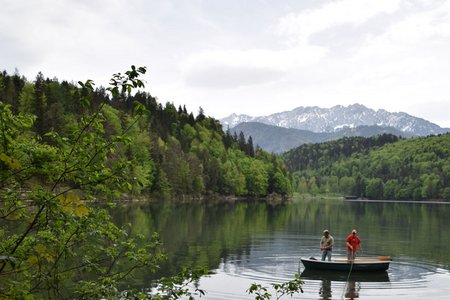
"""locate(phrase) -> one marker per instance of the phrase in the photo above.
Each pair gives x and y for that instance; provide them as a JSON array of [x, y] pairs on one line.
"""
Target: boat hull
[[329, 275], [362, 264]]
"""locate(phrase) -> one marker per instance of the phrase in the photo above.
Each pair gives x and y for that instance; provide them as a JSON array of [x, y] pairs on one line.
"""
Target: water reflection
[[351, 287], [352, 290], [325, 290], [252, 242]]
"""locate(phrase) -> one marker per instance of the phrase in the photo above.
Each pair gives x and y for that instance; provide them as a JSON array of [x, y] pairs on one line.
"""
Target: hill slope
[[278, 139], [416, 168]]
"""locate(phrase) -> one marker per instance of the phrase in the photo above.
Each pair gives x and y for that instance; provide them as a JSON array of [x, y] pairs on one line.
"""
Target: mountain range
[[282, 131]]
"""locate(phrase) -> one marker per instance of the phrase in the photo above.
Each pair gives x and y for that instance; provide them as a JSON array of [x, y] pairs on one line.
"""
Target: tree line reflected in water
[[206, 234]]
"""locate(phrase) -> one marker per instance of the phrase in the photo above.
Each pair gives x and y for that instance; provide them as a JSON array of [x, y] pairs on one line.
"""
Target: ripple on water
[[405, 279]]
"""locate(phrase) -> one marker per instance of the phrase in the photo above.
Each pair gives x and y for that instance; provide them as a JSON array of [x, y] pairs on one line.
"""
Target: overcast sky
[[247, 57]]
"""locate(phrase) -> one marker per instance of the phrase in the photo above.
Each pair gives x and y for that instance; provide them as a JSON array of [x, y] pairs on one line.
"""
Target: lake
[[257, 242]]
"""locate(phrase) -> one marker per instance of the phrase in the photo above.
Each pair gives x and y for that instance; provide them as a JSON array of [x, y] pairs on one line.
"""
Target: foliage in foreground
[[289, 288], [57, 238]]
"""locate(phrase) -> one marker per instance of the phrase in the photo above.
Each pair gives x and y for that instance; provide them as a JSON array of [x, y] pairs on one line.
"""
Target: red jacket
[[354, 241]]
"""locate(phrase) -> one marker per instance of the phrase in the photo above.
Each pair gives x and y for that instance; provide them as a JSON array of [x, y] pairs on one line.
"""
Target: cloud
[[436, 111], [230, 69], [298, 28], [412, 51], [14, 52], [387, 54], [226, 76], [234, 68], [253, 58], [424, 23]]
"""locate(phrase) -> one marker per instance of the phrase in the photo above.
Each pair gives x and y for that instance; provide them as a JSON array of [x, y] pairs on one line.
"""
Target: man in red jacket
[[353, 242]]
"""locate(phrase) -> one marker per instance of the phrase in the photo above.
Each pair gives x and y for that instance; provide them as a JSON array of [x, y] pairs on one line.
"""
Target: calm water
[[254, 242]]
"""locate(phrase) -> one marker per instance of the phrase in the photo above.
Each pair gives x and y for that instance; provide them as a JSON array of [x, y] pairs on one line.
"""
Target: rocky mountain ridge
[[319, 120], [280, 132]]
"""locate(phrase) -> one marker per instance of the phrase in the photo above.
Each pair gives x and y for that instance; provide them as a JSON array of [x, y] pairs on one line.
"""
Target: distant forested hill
[[381, 167], [168, 151], [280, 139]]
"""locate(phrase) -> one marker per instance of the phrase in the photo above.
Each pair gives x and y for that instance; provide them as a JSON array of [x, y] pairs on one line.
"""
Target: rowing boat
[[311, 274], [340, 263]]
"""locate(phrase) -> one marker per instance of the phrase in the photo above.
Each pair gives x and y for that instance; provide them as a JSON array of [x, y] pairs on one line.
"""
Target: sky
[[247, 57]]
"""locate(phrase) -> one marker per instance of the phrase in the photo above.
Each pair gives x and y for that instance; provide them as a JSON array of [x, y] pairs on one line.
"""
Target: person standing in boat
[[326, 244], [353, 243]]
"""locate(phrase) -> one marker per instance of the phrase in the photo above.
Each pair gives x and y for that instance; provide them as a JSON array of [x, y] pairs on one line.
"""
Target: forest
[[379, 167], [170, 152], [70, 151]]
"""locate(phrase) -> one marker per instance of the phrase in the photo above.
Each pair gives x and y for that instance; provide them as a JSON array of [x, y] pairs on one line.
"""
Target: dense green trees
[[65, 149], [56, 240], [381, 167], [170, 152]]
